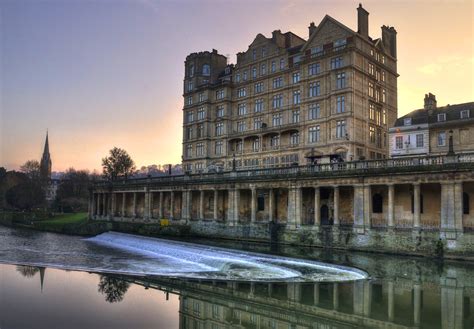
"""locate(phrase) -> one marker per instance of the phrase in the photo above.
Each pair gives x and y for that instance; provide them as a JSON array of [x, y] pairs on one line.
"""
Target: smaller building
[[428, 131]]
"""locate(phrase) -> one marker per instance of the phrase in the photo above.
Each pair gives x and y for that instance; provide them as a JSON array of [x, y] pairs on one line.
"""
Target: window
[[372, 134], [189, 86], [371, 89], [263, 69], [277, 101], [200, 149], [241, 126], [260, 207], [189, 100], [441, 117], [295, 138], [314, 89], [220, 94], [278, 82], [241, 92], [314, 134], [201, 97], [341, 129], [201, 113], [314, 69], [377, 203], [282, 63], [341, 80], [264, 51], [314, 111], [215, 311], [273, 66], [219, 128], [254, 72], [465, 203], [242, 109], [190, 116], [218, 148], [220, 111], [384, 95], [296, 77], [245, 76], [399, 142], [189, 132], [254, 54], [191, 70], [336, 63], [340, 104], [371, 69], [383, 76], [465, 114], [258, 105], [275, 141], [407, 121], [189, 151], [256, 145], [200, 131], [237, 77], [206, 70], [295, 116], [257, 123], [340, 43], [419, 140], [258, 87], [442, 138], [239, 146], [277, 120], [296, 97], [316, 51]]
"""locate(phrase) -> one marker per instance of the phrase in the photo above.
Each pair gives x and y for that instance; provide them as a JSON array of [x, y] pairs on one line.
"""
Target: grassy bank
[[58, 223]]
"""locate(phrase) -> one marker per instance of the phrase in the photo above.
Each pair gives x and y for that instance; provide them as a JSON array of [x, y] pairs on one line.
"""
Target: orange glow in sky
[[100, 74]]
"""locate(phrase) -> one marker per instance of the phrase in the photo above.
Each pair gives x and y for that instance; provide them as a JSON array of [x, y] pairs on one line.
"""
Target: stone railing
[[351, 168]]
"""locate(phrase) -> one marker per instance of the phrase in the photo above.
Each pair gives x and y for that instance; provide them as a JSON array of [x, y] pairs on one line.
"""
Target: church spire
[[45, 165]]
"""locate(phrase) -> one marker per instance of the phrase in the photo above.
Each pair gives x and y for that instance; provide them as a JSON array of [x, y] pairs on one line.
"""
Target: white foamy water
[[181, 259]]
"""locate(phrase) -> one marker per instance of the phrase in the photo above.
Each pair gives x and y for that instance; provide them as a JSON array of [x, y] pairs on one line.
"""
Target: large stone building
[[434, 130], [288, 100]]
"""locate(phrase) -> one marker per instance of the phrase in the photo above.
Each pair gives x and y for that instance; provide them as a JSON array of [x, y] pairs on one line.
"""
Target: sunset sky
[[104, 73]]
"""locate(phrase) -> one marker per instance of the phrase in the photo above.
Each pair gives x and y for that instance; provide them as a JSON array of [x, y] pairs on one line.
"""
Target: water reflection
[[114, 289]]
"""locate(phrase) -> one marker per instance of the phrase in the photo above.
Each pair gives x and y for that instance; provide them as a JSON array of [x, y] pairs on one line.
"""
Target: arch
[[377, 203], [342, 152], [324, 215], [465, 203]]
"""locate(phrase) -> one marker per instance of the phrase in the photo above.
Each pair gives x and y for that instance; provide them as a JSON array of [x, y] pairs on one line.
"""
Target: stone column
[[294, 291], [216, 196], [367, 206], [151, 201], [458, 206], [317, 206], [134, 204], [335, 297], [391, 301], [270, 205], [294, 206], [391, 206], [316, 294], [336, 205], [416, 206], [231, 206], [186, 205], [358, 208], [98, 204], [104, 206], [201, 205], [146, 205], [253, 204], [452, 312], [416, 303], [367, 298], [124, 203], [237, 205], [172, 205], [270, 290], [114, 205], [92, 205], [160, 206]]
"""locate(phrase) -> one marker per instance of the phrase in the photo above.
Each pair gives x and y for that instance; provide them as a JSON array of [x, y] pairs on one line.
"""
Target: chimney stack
[[362, 21], [430, 101], [311, 28], [389, 40]]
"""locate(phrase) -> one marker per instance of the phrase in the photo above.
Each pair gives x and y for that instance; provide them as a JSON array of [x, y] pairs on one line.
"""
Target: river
[[117, 280]]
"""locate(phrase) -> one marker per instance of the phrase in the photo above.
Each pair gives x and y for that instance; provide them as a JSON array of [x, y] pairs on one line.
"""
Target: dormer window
[[407, 122], [441, 117], [339, 43], [465, 114], [206, 69]]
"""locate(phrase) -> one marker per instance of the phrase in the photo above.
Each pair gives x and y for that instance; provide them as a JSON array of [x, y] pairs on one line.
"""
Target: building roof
[[430, 116]]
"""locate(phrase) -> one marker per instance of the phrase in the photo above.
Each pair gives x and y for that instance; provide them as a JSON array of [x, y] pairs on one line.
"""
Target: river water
[[118, 280]]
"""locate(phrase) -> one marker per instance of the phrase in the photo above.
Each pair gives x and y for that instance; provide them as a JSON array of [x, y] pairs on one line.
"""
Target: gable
[[327, 31]]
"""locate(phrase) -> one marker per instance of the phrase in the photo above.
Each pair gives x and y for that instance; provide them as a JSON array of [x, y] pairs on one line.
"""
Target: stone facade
[[399, 206], [431, 130], [289, 100]]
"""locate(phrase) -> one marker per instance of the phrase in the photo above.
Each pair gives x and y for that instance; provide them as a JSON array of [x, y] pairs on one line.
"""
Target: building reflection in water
[[388, 303]]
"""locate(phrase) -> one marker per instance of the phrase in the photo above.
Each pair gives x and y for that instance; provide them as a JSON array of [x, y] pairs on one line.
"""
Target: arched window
[[465, 203], [377, 203], [206, 69]]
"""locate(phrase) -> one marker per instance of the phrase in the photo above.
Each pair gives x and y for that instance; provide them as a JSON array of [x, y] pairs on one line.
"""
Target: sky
[[105, 73]]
